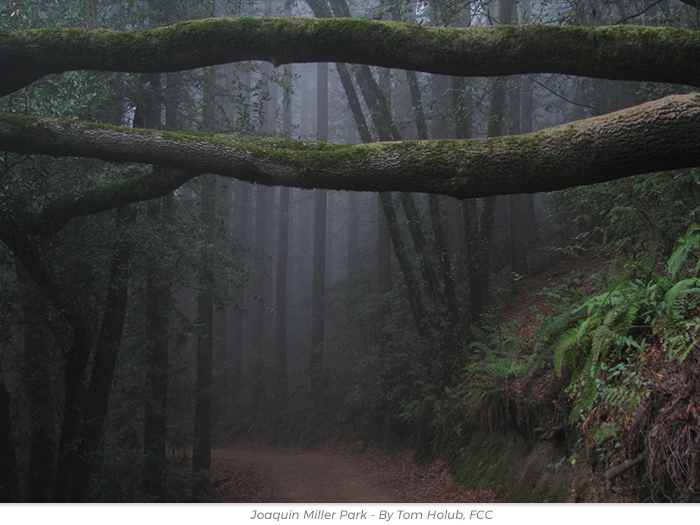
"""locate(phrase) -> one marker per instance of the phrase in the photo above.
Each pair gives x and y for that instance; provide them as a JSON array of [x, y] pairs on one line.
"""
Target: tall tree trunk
[[383, 250], [353, 259], [9, 483], [316, 373], [444, 264], [412, 284], [158, 305], [106, 353], [201, 451], [258, 307], [516, 234], [446, 295], [528, 199], [36, 380], [243, 204], [280, 380], [157, 311], [76, 360], [66, 481], [479, 219], [243, 195], [316, 364], [158, 308]]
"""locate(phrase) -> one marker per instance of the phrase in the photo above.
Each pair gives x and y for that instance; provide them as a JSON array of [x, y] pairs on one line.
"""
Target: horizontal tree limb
[[656, 136], [614, 52]]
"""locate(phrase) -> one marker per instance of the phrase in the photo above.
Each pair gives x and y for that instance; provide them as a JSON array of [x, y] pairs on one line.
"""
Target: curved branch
[[656, 136], [617, 52]]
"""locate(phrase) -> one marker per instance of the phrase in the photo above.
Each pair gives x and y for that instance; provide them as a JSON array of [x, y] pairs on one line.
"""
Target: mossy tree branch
[[656, 136], [614, 52]]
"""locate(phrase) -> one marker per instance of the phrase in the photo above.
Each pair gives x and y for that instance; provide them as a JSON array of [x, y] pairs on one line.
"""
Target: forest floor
[[333, 473]]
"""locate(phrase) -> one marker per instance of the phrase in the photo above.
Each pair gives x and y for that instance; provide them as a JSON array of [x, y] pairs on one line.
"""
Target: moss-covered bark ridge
[[657, 54], [657, 136]]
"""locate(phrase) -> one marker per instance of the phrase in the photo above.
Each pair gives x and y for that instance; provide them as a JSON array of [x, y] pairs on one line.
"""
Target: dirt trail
[[308, 476]]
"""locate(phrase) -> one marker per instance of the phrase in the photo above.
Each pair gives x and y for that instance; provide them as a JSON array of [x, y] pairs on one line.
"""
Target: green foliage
[[119, 476], [630, 216], [489, 378], [591, 342]]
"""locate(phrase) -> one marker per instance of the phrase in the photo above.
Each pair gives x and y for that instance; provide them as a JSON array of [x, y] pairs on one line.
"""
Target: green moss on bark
[[618, 52]]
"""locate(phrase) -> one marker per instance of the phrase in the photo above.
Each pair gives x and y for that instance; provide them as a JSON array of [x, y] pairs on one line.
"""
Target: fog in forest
[[226, 311]]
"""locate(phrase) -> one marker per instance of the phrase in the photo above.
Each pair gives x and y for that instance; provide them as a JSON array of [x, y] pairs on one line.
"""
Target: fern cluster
[[600, 333]]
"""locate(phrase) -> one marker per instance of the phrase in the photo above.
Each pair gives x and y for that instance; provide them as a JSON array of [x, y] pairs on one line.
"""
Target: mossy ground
[[520, 472]]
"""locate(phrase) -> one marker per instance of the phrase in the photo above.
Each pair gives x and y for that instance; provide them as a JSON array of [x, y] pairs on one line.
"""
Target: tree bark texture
[[659, 135], [614, 52]]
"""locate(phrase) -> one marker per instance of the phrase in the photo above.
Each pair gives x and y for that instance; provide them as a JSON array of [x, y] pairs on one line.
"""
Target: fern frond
[[570, 340], [672, 300], [687, 244], [560, 324]]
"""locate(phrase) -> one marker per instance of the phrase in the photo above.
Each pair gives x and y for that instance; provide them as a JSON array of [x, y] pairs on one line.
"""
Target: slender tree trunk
[[412, 284], [416, 102], [106, 353], [444, 264], [281, 386], [383, 249], [158, 308], [316, 364], [67, 486], [280, 379], [36, 380], [201, 449], [157, 311], [516, 235], [528, 199], [201, 452], [446, 295], [76, 359], [243, 201], [155, 418], [9, 484], [479, 220], [258, 307], [353, 259], [243, 195]]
